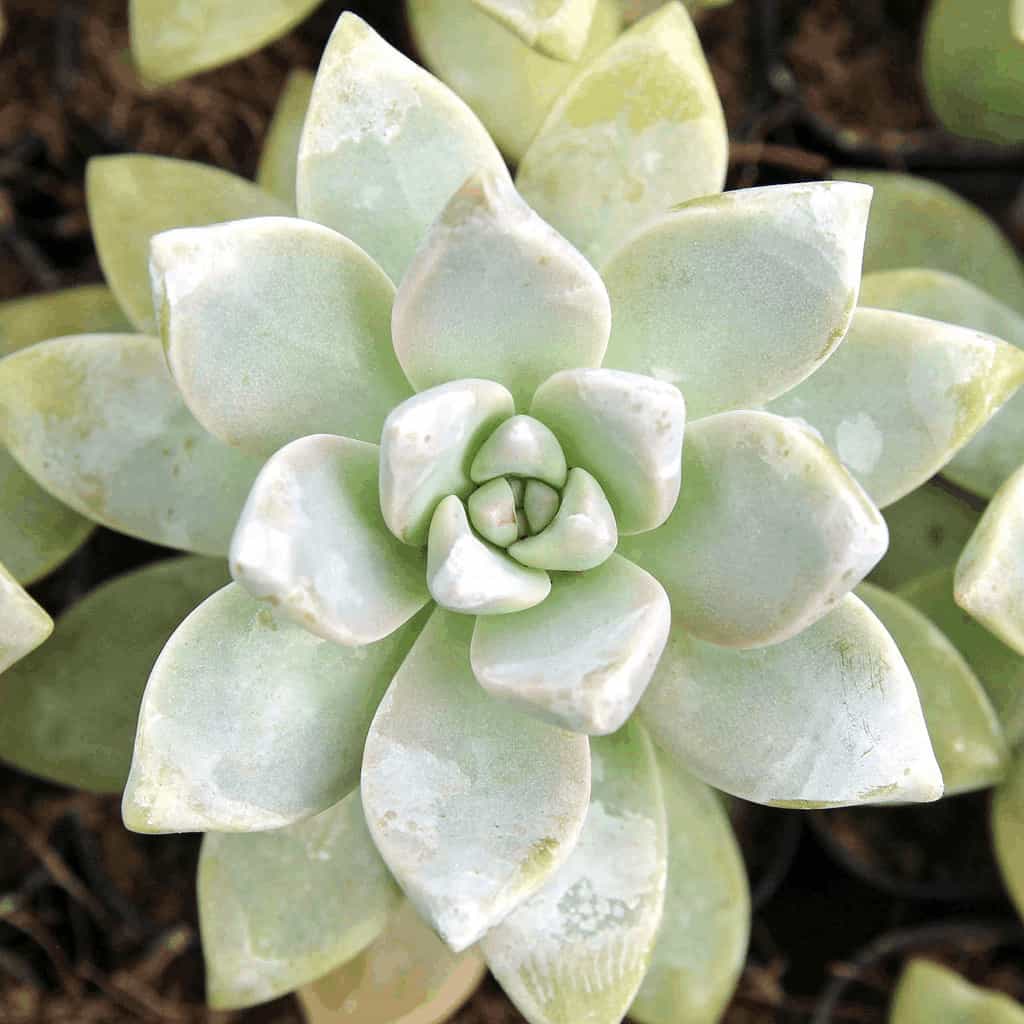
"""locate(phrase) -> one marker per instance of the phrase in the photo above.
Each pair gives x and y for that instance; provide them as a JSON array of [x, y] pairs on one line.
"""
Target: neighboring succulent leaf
[[70, 710], [384, 146], [973, 68], [989, 582], [927, 530], [994, 453], [312, 543], [578, 949], [280, 154], [627, 430], [23, 625], [249, 723], [1000, 669], [132, 197], [768, 533], [582, 658], [964, 728], [280, 909], [915, 222], [702, 942], [736, 298], [1008, 830], [408, 976], [472, 807], [558, 29], [495, 292], [929, 993], [87, 309], [97, 420], [639, 129], [276, 328], [902, 394], [828, 718], [174, 40], [486, 64]]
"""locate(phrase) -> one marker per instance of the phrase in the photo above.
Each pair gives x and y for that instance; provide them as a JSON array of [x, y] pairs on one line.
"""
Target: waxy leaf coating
[[558, 29], [23, 624], [522, 446]]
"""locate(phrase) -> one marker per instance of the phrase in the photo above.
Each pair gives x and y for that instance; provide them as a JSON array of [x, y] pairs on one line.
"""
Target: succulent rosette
[[497, 608]]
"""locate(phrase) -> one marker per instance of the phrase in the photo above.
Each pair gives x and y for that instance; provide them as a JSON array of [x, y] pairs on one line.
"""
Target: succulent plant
[[426, 668], [23, 624], [929, 993]]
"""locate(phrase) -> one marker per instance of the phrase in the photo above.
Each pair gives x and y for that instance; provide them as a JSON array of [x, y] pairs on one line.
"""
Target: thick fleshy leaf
[[582, 534], [97, 420], [540, 504], [486, 64], [426, 448], [557, 29], [311, 542], [276, 328], [929, 993], [582, 658], [973, 68], [702, 942], [768, 534], [927, 529], [1000, 669], [994, 453], [736, 298], [579, 948], [70, 709], [250, 723], [280, 909], [638, 130], [23, 624], [87, 309], [172, 41], [828, 718], [902, 395], [915, 222], [133, 197], [276, 171], [408, 976], [495, 292], [627, 430], [964, 729], [492, 512], [473, 807], [523, 447], [467, 575], [1008, 830], [989, 581], [384, 146]]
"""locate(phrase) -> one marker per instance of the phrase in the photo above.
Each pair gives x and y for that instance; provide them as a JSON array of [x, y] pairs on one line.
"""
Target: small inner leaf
[[521, 446]]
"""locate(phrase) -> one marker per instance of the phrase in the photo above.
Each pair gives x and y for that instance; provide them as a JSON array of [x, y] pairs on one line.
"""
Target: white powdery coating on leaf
[[23, 624], [558, 29], [859, 443]]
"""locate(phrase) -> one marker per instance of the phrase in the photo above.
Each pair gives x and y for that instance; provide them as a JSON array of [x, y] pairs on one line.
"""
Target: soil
[[97, 925]]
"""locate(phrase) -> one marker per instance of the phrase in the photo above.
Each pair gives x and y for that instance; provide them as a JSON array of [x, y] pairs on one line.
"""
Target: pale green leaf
[[1008, 830], [384, 146], [578, 949], [96, 419], [426, 448], [492, 512], [627, 430], [638, 130], [495, 292], [280, 154], [472, 806], [989, 582], [276, 328], [408, 976], [964, 729], [702, 942], [557, 28], [1000, 669], [87, 309], [312, 543], [70, 710], [521, 446], [174, 40], [486, 64], [828, 718], [581, 659], [280, 909], [1017, 19], [915, 222], [768, 534], [23, 624], [735, 298], [902, 394], [930, 993], [249, 723], [132, 197], [540, 504]]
